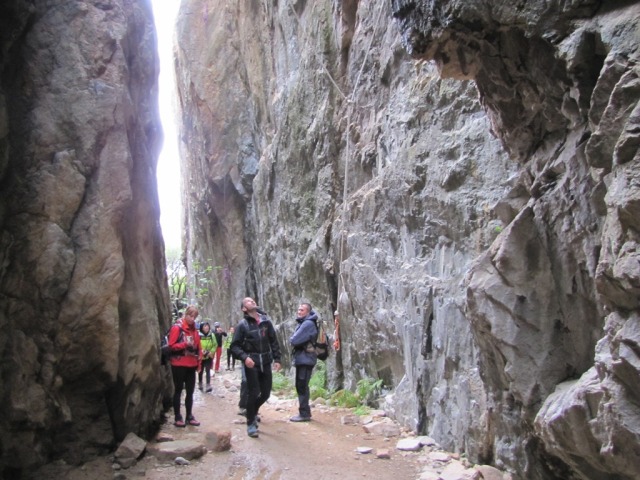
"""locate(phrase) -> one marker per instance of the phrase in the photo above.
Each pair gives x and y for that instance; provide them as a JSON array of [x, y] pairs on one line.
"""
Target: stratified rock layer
[[461, 183], [82, 282]]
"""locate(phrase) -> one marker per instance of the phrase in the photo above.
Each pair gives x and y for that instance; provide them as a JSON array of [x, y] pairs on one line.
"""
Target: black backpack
[[165, 350]]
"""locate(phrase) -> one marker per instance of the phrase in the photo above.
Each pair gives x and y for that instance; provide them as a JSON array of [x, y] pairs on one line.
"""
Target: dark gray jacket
[[305, 335], [257, 341]]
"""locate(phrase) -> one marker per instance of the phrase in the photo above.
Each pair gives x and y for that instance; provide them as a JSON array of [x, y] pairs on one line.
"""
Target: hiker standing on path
[[231, 362], [184, 341], [256, 346], [209, 345], [219, 333], [304, 357]]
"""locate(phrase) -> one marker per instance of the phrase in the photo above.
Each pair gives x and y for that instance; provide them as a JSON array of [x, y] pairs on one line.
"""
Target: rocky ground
[[336, 444]]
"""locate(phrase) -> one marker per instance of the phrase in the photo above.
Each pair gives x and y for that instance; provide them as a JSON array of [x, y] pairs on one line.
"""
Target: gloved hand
[[192, 348]]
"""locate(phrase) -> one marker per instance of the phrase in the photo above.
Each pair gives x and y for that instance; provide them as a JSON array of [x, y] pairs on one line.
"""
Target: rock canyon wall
[[460, 180], [82, 279]]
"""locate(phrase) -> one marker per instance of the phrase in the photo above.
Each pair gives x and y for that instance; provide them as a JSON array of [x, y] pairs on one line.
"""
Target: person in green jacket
[[209, 344], [231, 362]]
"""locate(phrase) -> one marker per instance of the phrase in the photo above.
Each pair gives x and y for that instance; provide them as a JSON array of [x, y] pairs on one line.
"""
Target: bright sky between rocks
[[168, 174]]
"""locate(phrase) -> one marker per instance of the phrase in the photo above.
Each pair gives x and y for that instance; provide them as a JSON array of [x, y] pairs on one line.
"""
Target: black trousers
[[230, 360], [206, 368], [244, 393], [183, 377], [303, 377], [259, 381]]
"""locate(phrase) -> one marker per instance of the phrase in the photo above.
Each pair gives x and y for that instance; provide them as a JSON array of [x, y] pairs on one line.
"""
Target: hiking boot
[[252, 430], [243, 412], [299, 418], [200, 386], [209, 388], [179, 422], [191, 420]]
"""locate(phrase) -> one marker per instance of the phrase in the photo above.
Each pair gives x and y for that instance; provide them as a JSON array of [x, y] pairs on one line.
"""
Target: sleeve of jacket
[[198, 345], [174, 336], [236, 346], [307, 332], [275, 346]]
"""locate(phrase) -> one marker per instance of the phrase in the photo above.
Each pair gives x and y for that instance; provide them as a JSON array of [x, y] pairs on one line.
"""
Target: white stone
[[456, 471], [489, 473], [438, 456], [429, 475], [427, 441], [409, 444], [385, 427]]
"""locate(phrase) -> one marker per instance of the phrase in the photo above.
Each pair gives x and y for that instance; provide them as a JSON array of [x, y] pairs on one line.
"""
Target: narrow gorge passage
[[457, 178]]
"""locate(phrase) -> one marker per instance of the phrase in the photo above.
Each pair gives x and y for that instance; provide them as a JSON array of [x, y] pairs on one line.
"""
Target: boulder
[[169, 451]]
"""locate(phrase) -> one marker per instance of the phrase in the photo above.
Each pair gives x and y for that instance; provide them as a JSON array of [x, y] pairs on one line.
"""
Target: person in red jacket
[[186, 355]]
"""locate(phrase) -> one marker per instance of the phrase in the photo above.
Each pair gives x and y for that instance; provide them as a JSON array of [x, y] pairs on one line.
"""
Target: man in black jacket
[[256, 346]]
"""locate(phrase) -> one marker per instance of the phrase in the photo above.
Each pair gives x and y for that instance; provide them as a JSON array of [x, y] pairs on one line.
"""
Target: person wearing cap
[[304, 357], [219, 333], [255, 344]]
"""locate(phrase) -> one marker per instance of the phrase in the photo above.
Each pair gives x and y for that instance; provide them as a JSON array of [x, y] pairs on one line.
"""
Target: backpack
[[322, 344], [165, 349]]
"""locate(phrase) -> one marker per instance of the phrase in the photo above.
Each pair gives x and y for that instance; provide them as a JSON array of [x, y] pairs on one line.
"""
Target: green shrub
[[362, 410], [318, 382], [319, 376], [281, 385], [345, 398], [317, 392], [368, 390]]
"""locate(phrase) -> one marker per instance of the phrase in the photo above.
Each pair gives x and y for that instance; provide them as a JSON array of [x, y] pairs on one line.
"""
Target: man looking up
[[256, 346]]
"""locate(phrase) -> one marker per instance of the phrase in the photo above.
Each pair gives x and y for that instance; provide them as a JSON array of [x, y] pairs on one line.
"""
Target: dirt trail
[[320, 449]]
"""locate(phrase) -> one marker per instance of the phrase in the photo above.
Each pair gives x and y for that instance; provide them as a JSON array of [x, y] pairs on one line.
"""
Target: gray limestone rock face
[[459, 180], [82, 282]]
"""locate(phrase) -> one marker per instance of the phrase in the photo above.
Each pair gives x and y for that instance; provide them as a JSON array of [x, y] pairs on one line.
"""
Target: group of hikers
[[254, 344], [212, 343]]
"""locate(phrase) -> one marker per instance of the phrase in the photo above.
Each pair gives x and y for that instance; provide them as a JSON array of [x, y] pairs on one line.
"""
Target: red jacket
[[183, 357]]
